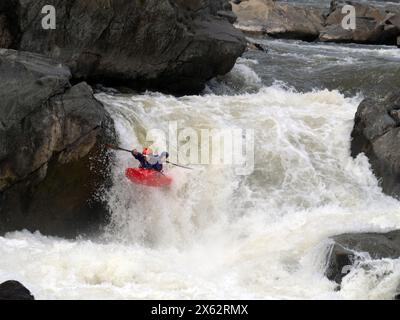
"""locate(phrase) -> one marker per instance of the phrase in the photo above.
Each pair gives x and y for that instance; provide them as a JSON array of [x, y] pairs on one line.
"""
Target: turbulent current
[[215, 234]]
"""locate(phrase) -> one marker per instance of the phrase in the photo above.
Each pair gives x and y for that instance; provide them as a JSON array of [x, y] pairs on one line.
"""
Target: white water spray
[[215, 234]]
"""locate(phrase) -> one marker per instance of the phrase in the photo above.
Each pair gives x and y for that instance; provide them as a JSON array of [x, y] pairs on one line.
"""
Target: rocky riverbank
[[54, 166], [173, 46], [52, 155], [376, 23], [376, 133], [53, 163]]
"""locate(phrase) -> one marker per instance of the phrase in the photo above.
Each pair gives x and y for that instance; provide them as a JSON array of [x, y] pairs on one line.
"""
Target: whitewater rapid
[[215, 234]]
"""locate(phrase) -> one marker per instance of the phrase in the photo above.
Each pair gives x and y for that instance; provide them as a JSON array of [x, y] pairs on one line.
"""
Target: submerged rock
[[13, 290], [376, 133], [345, 248], [52, 155], [168, 45]]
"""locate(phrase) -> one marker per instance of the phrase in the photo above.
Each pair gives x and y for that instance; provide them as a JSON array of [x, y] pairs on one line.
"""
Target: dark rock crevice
[[9, 24]]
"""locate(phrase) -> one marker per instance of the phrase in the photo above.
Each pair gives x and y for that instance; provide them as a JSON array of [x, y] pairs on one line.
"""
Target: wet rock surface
[[13, 290], [173, 46], [52, 155], [376, 133], [345, 248], [280, 20], [375, 23]]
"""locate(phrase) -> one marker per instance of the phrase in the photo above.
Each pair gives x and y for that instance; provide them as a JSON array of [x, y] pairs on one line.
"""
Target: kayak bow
[[148, 177]]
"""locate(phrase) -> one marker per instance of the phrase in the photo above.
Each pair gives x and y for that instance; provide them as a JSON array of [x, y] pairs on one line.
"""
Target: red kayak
[[148, 177]]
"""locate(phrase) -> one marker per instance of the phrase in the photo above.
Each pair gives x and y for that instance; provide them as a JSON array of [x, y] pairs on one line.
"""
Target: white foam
[[241, 79], [214, 234]]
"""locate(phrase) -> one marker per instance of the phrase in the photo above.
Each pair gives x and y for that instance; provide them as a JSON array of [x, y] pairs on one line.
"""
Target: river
[[215, 234]]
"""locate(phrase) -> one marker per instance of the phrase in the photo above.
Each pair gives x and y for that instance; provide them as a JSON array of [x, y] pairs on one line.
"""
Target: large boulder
[[377, 134], [171, 45], [374, 24], [13, 290], [52, 155], [346, 247], [281, 20]]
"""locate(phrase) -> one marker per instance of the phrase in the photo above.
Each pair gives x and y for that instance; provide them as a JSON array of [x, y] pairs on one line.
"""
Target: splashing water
[[215, 234]]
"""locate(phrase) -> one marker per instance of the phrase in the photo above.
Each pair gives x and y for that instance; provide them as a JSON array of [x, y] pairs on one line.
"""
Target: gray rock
[[52, 156], [171, 45], [376, 133], [281, 20], [13, 290], [374, 24], [345, 248]]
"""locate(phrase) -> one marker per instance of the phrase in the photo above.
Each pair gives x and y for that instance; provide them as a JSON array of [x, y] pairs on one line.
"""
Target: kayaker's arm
[[158, 159], [140, 157]]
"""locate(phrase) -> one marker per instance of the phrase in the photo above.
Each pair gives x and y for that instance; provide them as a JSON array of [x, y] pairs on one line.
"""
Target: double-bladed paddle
[[130, 151]]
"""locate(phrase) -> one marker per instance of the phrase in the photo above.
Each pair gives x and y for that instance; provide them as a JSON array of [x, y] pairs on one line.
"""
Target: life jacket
[[156, 161]]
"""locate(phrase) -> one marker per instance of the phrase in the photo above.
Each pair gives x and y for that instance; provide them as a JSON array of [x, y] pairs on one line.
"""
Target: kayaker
[[148, 160], [156, 161], [141, 157]]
